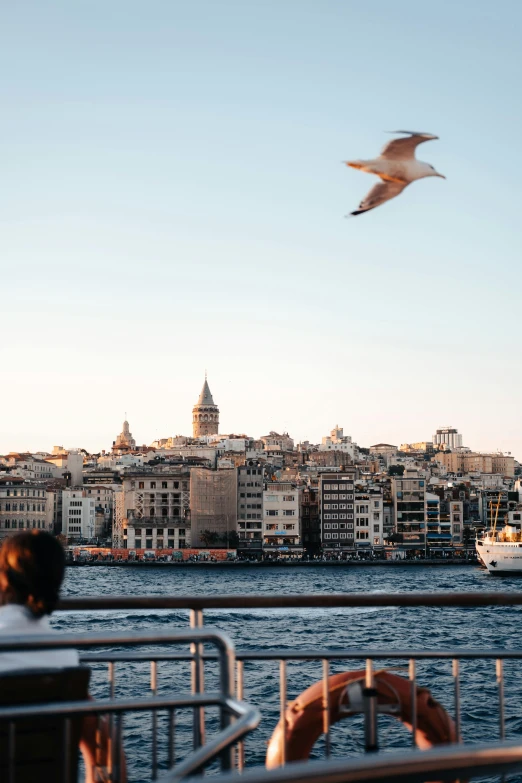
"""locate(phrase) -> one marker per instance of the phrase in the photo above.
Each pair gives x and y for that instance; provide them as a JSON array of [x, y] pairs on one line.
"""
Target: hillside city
[[264, 497]]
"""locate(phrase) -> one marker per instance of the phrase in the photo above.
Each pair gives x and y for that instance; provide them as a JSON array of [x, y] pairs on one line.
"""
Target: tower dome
[[205, 414]]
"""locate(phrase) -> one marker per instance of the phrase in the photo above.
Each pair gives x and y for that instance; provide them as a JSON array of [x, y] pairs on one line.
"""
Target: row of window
[[251, 494], [18, 524], [339, 525], [334, 506], [274, 512], [25, 493], [249, 516], [344, 485], [21, 507], [339, 496], [338, 516], [164, 484], [159, 543], [148, 531]]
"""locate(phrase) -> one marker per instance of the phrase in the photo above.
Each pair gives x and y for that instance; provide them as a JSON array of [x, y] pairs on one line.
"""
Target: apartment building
[[78, 515], [336, 497], [281, 523], [310, 518], [369, 519], [152, 510], [409, 500], [23, 506], [250, 487]]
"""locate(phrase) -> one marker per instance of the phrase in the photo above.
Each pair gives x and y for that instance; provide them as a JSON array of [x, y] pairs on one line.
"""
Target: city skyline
[[206, 400], [173, 198]]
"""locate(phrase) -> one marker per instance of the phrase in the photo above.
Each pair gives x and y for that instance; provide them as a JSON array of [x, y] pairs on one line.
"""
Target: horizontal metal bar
[[442, 763], [248, 721], [60, 641], [104, 706], [309, 655], [292, 601]]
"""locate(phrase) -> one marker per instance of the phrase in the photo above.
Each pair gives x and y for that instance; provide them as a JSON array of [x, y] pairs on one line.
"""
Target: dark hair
[[32, 565]]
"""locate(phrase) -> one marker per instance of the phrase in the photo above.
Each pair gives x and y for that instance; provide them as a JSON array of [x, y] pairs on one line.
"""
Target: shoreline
[[279, 564]]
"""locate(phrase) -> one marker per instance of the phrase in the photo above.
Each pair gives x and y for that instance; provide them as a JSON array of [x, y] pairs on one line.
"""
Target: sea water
[[368, 628]]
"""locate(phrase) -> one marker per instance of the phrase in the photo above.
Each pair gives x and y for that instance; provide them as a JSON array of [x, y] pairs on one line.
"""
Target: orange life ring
[[304, 717]]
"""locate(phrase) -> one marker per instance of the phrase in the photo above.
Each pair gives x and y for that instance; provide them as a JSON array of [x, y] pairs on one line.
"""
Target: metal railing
[[236, 718], [448, 763], [407, 659]]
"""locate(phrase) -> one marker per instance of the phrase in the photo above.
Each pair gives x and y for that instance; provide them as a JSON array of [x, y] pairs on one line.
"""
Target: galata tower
[[205, 414]]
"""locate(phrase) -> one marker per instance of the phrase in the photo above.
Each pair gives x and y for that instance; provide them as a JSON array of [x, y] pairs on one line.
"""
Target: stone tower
[[205, 414]]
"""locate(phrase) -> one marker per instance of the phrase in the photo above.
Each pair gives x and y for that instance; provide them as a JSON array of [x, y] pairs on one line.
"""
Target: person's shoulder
[[15, 617]]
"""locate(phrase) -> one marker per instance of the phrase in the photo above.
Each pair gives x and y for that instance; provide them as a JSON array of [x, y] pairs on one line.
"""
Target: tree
[[395, 538], [395, 470], [230, 539], [209, 537]]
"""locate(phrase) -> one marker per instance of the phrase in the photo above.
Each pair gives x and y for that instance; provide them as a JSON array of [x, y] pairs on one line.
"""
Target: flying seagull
[[397, 167]]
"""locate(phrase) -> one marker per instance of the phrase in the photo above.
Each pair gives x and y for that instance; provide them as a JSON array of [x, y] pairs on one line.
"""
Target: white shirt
[[16, 620]]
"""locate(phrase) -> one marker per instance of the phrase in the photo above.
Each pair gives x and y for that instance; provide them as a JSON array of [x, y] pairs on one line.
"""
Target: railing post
[[370, 710], [198, 681]]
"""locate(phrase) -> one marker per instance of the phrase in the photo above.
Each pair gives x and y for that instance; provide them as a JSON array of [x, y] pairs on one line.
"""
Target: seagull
[[397, 167]]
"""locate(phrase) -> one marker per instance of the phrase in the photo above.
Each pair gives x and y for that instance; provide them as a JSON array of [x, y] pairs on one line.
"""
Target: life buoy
[[303, 721]]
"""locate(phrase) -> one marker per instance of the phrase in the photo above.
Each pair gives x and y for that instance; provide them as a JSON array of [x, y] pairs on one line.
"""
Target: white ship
[[501, 550]]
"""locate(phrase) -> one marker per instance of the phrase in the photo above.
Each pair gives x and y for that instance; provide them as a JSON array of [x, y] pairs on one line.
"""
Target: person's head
[[32, 565]]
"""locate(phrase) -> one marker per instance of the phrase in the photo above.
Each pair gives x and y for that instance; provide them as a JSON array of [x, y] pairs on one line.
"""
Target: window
[[148, 543], [137, 532], [171, 543], [159, 543], [376, 528], [181, 531], [272, 512], [170, 531], [160, 531], [153, 485], [288, 513], [164, 485], [141, 485], [148, 531], [137, 543]]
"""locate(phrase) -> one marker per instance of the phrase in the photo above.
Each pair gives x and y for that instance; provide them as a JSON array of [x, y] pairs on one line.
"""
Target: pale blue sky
[[173, 199]]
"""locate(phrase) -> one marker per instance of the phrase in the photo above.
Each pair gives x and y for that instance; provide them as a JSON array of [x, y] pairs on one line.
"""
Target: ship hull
[[501, 559]]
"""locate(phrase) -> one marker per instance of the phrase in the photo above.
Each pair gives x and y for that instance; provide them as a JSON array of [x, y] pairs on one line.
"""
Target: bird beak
[[440, 175]]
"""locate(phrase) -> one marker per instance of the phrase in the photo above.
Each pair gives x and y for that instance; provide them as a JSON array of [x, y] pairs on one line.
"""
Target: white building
[[78, 514], [369, 519], [281, 523], [70, 461], [448, 437], [30, 467], [337, 441]]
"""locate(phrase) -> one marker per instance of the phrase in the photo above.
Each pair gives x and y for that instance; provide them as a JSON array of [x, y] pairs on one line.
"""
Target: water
[[377, 628]]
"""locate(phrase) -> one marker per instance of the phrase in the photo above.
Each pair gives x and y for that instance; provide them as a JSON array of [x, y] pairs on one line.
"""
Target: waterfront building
[[78, 515], [124, 441], [104, 507], [447, 437], [23, 506], [281, 523], [369, 518], [336, 498], [250, 505], [310, 518], [213, 506], [494, 505], [152, 510], [205, 414], [409, 500]]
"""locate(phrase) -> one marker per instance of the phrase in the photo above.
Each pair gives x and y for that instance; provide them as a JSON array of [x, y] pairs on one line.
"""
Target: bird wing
[[381, 192], [404, 149]]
